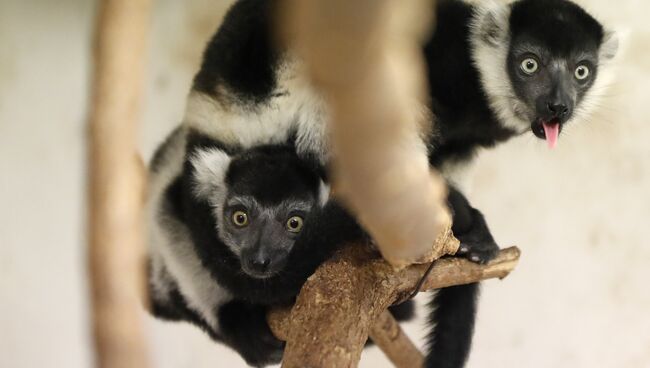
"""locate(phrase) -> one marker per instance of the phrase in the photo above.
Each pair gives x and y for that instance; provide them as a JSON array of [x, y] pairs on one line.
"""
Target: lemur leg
[[469, 226], [453, 309], [244, 328], [452, 316]]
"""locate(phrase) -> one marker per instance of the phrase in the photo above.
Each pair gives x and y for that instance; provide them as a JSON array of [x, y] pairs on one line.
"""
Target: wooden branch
[[390, 338], [365, 57], [341, 303], [116, 184]]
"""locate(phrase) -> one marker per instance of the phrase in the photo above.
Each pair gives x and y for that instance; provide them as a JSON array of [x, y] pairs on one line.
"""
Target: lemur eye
[[240, 218], [582, 72], [294, 224], [529, 66]]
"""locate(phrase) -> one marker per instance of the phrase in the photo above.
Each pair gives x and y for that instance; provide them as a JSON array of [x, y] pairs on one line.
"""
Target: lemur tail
[[453, 311]]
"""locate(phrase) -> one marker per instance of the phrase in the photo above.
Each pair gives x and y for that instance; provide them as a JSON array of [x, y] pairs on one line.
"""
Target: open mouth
[[549, 130], [258, 274]]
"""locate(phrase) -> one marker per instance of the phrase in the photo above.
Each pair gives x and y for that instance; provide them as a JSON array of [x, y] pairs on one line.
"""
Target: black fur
[[560, 25], [241, 54], [289, 177], [325, 229], [453, 317], [270, 173], [242, 58], [466, 123], [464, 119], [242, 321], [404, 311], [454, 308], [244, 328], [469, 226]]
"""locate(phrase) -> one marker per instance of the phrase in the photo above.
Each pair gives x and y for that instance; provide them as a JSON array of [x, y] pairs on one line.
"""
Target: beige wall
[[578, 299]]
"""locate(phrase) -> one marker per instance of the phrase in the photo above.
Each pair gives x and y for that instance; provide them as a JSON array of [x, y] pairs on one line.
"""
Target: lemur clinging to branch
[[495, 71]]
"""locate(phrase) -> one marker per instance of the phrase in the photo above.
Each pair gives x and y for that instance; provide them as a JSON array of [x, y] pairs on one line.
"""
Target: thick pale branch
[[116, 184], [365, 57], [341, 303]]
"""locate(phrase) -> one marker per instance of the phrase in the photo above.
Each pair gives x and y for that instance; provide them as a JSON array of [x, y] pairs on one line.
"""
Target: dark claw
[[480, 253]]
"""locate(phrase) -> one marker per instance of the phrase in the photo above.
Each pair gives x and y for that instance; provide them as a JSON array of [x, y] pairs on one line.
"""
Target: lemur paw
[[264, 349], [244, 328], [478, 252], [268, 351]]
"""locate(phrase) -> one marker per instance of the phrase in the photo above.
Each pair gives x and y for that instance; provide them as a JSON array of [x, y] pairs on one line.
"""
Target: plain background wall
[[579, 298]]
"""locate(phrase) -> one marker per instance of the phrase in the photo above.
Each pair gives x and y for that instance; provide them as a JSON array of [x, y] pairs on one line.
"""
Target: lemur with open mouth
[[495, 71]]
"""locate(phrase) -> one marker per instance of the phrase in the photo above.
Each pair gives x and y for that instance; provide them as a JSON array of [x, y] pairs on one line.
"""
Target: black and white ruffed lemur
[[235, 233], [495, 71]]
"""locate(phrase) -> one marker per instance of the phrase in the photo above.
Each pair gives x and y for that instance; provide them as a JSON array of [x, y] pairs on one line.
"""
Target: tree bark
[[341, 304], [390, 338], [116, 184]]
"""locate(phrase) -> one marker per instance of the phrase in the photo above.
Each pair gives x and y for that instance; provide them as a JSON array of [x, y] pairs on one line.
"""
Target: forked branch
[[346, 299]]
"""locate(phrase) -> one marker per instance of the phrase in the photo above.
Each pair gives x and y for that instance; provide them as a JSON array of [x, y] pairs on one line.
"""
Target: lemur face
[[262, 234], [551, 86], [261, 200], [552, 62], [543, 63]]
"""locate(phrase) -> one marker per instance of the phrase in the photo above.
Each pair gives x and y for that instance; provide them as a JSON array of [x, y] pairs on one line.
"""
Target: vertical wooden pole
[[116, 184], [365, 57]]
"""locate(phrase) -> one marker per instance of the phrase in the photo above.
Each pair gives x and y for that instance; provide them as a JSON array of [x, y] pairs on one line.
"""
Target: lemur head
[[260, 199], [555, 56]]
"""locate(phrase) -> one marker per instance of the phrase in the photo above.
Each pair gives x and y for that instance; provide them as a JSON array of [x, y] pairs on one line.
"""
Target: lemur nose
[[261, 263], [558, 109]]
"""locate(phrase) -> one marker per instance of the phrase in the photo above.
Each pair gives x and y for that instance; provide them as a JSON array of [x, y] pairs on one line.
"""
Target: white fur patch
[[295, 107], [323, 193], [490, 39], [170, 247], [610, 47], [201, 292], [457, 173], [210, 173], [608, 55]]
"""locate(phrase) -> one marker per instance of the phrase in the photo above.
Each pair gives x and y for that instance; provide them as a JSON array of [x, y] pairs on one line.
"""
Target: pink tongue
[[552, 130]]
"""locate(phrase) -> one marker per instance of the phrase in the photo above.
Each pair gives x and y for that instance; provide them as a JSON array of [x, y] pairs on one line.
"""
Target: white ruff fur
[[210, 168], [293, 108], [170, 249], [458, 173], [490, 58], [608, 54]]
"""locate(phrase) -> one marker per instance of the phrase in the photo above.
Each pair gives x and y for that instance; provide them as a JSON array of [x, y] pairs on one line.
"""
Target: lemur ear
[[323, 193], [609, 49], [210, 167], [491, 22]]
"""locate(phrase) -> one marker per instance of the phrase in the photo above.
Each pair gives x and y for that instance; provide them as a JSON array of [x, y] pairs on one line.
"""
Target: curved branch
[[341, 303], [391, 339]]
